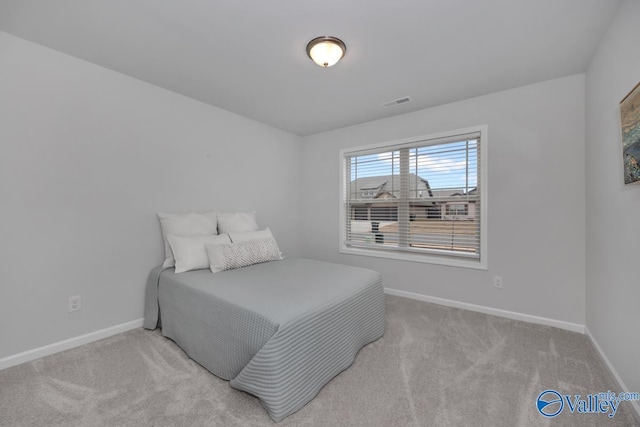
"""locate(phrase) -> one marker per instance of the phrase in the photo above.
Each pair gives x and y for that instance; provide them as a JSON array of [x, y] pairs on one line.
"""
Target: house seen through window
[[419, 199]]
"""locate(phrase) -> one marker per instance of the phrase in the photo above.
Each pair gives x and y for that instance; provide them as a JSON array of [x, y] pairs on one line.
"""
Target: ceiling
[[249, 56]]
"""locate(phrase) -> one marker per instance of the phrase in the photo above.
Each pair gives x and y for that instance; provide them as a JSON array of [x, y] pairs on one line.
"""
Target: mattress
[[278, 330]]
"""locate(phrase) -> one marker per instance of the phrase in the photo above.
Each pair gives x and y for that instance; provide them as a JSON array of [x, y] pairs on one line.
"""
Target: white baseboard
[[575, 327], [635, 405], [70, 343]]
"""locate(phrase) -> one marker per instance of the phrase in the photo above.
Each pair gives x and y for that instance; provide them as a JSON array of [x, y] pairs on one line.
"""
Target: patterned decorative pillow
[[228, 256]]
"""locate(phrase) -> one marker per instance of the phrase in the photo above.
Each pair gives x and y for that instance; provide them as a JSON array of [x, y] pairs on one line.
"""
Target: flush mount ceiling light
[[326, 51]]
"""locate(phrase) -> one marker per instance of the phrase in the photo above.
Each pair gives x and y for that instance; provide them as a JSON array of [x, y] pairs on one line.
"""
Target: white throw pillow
[[188, 224], [237, 222], [250, 235], [189, 251], [242, 254]]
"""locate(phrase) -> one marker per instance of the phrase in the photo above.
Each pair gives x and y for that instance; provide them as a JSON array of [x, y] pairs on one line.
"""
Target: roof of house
[[389, 184], [452, 192]]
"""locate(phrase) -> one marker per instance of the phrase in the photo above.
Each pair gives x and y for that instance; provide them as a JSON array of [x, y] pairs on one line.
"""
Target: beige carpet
[[435, 366]]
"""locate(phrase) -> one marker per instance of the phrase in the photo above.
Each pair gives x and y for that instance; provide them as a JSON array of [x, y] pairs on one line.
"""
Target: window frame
[[455, 260]]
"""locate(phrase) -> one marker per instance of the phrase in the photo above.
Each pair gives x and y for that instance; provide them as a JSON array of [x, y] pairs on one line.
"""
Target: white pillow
[[242, 254], [250, 235], [237, 222], [188, 224], [189, 251]]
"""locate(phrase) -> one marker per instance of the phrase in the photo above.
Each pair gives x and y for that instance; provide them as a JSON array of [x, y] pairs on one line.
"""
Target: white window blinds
[[420, 197]]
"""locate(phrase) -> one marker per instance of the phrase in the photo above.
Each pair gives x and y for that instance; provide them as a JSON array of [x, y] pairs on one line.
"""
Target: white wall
[[88, 157], [613, 240], [536, 199]]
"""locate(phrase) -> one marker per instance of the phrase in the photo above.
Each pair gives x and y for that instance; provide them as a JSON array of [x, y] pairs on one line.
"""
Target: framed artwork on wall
[[630, 121]]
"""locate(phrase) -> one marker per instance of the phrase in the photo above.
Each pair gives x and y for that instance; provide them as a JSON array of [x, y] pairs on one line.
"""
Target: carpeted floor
[[435, 366]]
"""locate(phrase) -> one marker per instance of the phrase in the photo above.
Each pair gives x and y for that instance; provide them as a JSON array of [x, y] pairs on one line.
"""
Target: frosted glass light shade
[[326, 51]]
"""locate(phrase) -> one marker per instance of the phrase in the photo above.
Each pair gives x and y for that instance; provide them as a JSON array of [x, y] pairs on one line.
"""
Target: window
[[457, 209], [430, 202]]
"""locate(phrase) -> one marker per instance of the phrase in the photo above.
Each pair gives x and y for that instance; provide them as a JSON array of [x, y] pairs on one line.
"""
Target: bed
[[279, 330]]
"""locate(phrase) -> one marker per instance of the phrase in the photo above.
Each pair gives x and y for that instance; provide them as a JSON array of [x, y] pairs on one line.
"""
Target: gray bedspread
[[278, 330]]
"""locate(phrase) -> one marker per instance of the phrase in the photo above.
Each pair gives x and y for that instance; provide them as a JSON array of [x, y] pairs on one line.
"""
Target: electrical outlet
[[75, 303], [497, 282]]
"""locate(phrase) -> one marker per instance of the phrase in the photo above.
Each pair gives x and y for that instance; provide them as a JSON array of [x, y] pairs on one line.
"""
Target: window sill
[[413, 257]]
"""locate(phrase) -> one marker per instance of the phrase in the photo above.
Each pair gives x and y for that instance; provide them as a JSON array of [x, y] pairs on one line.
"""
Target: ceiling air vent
[[396, 101]]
